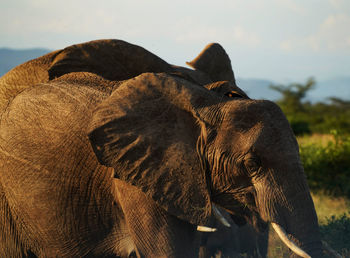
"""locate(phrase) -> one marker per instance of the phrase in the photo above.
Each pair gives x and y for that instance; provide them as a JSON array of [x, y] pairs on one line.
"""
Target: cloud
[[189, 31], [336, 3], [286, 45], [292, 6], [332, 35]]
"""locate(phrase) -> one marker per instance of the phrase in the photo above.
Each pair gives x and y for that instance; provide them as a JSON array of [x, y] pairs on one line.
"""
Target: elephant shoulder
[[88, 80], [57, 98], [48, 112]]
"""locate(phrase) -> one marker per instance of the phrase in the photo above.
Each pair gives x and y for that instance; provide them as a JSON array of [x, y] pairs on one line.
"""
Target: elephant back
[[112, 59], [25, 76]]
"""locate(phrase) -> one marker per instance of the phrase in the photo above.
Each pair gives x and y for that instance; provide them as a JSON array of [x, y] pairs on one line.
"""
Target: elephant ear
[[214, 61], [148, 131], [111, 59]]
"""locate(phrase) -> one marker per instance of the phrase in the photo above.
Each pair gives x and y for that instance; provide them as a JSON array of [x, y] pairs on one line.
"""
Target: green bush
[[325, 117], [328, 167], [336, 233], [299, 126], [306, 117]]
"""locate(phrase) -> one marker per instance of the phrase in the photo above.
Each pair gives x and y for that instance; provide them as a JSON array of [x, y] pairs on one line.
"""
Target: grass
[[315, 139], [328, 206]]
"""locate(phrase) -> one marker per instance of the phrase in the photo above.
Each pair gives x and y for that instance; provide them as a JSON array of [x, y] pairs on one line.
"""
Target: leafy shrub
[[324, 117], [336, 232], [306, 117], [300, 127], [328, 167]]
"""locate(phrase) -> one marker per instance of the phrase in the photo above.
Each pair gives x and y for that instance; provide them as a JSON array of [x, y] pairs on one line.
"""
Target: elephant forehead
[[254, 124], [243, 115]]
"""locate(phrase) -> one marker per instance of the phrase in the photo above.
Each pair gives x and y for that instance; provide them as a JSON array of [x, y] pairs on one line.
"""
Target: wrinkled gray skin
[[107, 150]]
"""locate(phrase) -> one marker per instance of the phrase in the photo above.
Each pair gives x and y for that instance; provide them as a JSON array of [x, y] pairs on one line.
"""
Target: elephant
[[106, 150]]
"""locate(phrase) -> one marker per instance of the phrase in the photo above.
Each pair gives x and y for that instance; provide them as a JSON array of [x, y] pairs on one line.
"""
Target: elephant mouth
[[247, 216], [256, 221], [242, 211]]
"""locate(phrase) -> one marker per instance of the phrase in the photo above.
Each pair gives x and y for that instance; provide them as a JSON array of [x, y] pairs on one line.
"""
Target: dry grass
[[276, 248], [318, 139], [327, 206]]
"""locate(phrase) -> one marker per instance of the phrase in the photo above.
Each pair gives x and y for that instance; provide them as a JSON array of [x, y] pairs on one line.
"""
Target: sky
[[279, 40]]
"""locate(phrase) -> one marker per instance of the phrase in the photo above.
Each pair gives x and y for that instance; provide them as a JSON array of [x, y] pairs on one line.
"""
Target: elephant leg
[[9, 247], [263, 242], [154, 231], [7, 239], [204, 251]]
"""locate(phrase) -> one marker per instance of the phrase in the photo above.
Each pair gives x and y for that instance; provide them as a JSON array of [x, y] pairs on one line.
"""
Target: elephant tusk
[[288, 242], [219, 216], [205, 229]]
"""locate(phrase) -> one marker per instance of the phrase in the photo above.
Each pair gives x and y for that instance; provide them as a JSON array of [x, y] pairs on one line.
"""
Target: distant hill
[[9, 58], [255, 88], [258, 88], [336, 87]]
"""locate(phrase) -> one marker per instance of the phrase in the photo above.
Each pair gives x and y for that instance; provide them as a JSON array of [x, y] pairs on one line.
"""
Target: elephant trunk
[[292, 209], [302, 224]]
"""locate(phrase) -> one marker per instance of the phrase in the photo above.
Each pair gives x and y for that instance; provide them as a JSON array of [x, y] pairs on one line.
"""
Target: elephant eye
[[252, 165], [233, 94]]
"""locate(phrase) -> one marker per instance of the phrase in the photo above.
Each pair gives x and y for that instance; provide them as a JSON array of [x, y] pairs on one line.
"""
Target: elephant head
[[190, 147]]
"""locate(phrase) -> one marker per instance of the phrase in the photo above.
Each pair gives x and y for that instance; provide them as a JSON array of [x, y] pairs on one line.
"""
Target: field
[[328, 155]]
